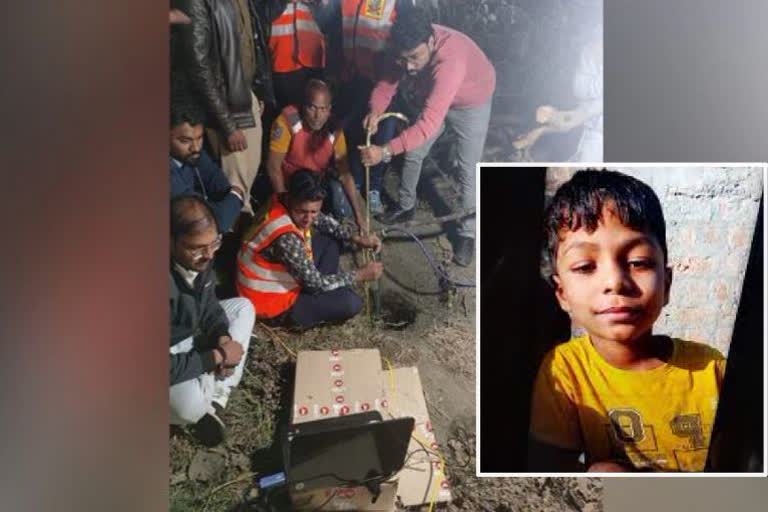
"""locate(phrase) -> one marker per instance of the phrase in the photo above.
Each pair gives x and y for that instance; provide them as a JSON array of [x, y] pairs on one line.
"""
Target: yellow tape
[[436, 478]]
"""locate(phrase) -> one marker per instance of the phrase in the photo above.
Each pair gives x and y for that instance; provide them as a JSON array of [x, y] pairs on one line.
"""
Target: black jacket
[[210, 57], [195, 312]]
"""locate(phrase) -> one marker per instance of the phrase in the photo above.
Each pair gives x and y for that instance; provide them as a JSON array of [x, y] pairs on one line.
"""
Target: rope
[[436, 268], [367, 254], [434, 483]]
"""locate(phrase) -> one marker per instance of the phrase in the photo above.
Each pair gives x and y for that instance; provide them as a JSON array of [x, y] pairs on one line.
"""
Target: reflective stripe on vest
[[365, 29], [301, 25], [296, 41], [262, 286], [269, 285], [293, 117]]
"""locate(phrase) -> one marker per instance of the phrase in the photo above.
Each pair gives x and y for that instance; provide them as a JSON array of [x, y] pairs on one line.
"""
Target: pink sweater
[[459, 75]]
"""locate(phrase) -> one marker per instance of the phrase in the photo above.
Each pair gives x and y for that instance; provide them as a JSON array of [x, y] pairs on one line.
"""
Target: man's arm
[[213, 321], [190, 365], [279, 142], [290, 250], [198, 41], [447, 80], [225, 200], [275, 170], [385, 88]]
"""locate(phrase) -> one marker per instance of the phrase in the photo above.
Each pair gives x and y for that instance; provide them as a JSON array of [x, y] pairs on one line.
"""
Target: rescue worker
[[288, 264], [307, 139], [297, 48]]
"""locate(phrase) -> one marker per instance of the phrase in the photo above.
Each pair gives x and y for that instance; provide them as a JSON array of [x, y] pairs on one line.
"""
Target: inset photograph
[[621, 324]]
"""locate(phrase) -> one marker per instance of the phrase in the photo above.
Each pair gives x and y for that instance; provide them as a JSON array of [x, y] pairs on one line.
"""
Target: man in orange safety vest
[[288, 264]]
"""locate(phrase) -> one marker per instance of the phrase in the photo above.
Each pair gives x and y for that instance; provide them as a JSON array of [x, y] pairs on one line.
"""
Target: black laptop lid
[[345, 451]]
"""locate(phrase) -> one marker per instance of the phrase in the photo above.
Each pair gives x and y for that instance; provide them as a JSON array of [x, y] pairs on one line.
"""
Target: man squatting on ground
[[191, 168], [227, 60], [288, 265], [309, 139], [620, 396], [457, 82], [208, 338]]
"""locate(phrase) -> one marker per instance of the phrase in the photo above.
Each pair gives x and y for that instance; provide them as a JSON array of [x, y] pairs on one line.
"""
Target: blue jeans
[[385, 133], [312, 309], [353, 105], [336, 200]]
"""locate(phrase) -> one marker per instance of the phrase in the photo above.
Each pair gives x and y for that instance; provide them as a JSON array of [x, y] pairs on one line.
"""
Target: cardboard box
[[335, 383], [345, 498], [339, 382], [423, 478]]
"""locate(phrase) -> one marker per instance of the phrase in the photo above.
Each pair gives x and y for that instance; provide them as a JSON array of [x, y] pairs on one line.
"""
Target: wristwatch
[[386, 154]]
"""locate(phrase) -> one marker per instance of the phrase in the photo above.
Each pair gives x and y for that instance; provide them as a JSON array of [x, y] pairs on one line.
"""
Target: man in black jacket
[[226, 61], [209, 339]]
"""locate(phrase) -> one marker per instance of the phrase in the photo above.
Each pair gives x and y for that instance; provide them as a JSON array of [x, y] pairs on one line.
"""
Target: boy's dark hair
[[184, 108], [190, 214], [409, 31], [304, 185], [579, 204]]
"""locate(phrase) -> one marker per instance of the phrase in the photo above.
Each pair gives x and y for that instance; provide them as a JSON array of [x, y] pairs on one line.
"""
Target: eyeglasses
[[200, 252]]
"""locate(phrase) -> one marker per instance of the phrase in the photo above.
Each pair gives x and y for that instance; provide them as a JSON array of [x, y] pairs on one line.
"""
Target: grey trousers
[[471, 127]]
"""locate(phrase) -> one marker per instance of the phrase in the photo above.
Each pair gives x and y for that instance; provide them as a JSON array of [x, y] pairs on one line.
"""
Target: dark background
[[519, 318]]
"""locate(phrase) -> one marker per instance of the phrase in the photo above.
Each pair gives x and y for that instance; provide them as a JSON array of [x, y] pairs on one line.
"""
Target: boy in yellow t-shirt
[[617, 398]]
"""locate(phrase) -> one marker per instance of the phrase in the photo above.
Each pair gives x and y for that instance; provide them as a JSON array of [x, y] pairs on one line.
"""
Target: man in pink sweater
[[455, 82]]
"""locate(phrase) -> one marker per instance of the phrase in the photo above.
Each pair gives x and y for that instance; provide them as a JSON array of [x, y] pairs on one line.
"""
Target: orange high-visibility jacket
[[296, 41], [365, 30], [304, 151], [268, 285]]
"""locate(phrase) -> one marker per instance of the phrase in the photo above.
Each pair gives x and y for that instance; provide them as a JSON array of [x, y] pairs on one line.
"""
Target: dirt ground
[[422, 325]]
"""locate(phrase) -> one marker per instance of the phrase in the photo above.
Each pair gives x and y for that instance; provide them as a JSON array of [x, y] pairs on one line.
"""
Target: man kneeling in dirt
[[208, 338], [288, 265]]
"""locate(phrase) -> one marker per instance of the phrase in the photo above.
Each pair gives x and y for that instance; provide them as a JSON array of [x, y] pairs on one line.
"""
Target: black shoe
[[463, 251], [209, 430], [397, 216]]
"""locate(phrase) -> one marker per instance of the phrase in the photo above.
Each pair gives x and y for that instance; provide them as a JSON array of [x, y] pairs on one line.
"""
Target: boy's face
[[613, 281]]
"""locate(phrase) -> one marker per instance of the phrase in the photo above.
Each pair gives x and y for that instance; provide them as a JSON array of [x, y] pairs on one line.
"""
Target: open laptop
[[352, 450]]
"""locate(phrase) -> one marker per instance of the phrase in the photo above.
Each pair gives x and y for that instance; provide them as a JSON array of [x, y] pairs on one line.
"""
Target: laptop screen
[[345, 454]]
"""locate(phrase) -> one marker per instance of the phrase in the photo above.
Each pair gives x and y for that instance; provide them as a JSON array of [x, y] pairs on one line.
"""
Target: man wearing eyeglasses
[[209, 339], [453, 81], [307, 139]]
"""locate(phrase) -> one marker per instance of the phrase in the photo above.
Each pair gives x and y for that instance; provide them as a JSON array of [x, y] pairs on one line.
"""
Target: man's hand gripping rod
[[368, 255]]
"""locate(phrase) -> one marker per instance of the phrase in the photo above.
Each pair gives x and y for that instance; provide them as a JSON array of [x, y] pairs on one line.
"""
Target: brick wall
[[710, 214]]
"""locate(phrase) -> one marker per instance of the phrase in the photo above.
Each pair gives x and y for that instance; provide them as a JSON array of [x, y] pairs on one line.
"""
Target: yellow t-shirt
[[280, 139], [657, 419]]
